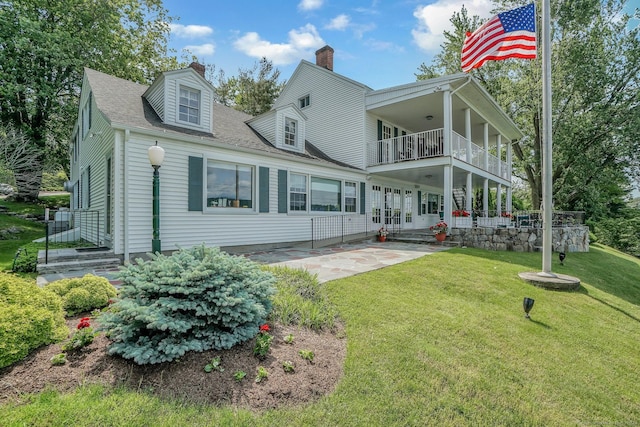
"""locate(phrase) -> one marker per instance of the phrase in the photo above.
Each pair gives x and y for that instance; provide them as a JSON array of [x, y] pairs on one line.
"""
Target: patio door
[[392, 207]]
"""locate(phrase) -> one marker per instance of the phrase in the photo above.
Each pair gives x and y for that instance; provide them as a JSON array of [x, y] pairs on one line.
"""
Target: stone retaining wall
[[569, 239]]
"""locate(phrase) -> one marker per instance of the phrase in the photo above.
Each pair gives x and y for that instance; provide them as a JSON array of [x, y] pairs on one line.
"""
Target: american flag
[[510, 34]]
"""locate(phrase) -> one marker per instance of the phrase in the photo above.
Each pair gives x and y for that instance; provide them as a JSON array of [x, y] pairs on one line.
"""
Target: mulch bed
[[186, 379]]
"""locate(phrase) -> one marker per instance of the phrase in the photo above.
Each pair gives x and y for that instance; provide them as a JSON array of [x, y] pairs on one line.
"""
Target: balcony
[[430, 144]]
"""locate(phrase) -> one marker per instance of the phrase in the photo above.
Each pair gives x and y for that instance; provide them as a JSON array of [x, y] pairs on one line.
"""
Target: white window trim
[[254, 210], [306, 99], [296, 133], [187, 122]]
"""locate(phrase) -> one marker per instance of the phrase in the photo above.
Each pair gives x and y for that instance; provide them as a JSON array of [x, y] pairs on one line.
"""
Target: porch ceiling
[[428, 176], [408, 106]]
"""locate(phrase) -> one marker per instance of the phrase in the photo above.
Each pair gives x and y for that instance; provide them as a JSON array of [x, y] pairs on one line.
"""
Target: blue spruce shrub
[[197, 299]]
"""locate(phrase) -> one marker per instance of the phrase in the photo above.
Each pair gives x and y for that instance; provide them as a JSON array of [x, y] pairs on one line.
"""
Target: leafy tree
[[44, 46], [252, 91], [596, 122]]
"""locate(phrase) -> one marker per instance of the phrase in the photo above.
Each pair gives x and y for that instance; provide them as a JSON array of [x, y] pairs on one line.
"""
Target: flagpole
[[547, 184]]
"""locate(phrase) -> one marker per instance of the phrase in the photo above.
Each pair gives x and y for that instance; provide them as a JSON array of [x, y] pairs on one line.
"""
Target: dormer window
[[304, 101], [290, 131], [189, 105]]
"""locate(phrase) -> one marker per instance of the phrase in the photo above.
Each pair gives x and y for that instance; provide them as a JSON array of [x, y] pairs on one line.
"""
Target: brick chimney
[[198, 67], [324, 57]]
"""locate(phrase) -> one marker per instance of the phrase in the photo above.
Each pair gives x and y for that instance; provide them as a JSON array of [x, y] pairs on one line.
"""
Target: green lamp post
[[156, 156]]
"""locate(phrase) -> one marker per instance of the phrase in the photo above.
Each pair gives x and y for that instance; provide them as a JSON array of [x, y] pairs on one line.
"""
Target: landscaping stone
[[567, 239]]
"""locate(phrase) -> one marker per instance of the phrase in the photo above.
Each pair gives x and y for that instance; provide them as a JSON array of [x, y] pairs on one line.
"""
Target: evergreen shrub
[[81, 294], [30, 317], [197, 299]]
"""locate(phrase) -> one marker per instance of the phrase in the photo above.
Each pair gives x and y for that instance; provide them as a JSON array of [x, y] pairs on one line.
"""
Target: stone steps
[[61, 261]]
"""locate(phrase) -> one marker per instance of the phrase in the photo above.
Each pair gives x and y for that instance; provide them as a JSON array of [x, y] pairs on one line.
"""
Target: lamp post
[[156, 156]]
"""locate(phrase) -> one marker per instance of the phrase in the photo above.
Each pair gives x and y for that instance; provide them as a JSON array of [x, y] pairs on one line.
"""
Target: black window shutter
[[362, 198], [263, 176], [282, 191], [395, 132], [419, 202], [195, 184], [379, 130]]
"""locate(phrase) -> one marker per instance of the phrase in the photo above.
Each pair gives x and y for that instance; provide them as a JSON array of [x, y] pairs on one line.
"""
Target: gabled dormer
[[284, 127], [183, 98]]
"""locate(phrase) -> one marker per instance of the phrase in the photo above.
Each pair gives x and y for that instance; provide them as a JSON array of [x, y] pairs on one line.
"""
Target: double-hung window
[[298, 193], [350, 196], [229, 185], [189, 105], [290, 132]]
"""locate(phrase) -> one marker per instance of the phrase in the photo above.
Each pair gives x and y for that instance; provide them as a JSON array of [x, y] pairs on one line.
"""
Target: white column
[[510, 159], [448, 193], [498, 200], [485, 138], [485, 197], [499, 152], [509, 207], [468, 204], [467, 132], [447, 112]]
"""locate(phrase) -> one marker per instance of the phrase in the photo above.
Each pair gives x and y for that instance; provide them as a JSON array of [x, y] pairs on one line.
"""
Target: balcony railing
[[423, 145]]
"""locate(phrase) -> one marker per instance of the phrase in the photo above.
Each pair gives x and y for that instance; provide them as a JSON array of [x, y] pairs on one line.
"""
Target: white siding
[[336, 115], [155, 96], [265, 125], [179, 227], [187, 78]]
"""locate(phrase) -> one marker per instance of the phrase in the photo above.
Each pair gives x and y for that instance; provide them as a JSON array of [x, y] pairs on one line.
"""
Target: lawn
[[440, 340], [30, 230]]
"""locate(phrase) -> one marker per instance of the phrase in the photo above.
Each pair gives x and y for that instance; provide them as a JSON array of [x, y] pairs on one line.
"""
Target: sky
[[378, 43]]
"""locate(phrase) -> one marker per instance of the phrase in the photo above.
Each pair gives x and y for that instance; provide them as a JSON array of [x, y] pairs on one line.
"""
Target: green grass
[[31, 230], [441, 341]]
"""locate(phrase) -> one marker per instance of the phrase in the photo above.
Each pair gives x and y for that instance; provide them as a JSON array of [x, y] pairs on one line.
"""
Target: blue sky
[[378, 43]]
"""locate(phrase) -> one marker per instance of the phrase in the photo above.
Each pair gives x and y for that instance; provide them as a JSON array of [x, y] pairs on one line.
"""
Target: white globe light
[[156, 155]]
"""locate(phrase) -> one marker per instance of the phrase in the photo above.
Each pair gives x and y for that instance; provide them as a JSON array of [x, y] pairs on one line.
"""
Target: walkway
[[329, 263], [337, 262]]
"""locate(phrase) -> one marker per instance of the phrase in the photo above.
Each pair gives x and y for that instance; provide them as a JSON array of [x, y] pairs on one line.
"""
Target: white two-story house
[[401, 158]]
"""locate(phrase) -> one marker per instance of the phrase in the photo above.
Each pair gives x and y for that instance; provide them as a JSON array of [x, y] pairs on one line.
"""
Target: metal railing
[[339, 228], [78, 228], [526, 219]]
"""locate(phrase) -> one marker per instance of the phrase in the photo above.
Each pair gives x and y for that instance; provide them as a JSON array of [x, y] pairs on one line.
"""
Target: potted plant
[[440, 230], [382, 234]]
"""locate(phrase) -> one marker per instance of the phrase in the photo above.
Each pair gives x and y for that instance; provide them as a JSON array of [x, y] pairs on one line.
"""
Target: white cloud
[[379, 45], [190, 31], [206, 49], [310, 4], [302, 42], [433, 20], [340, 23]]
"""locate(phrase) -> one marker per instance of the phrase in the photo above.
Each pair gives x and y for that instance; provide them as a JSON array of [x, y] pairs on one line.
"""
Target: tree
[[44, 46], [16, 153], [253, 91], [596, 122]]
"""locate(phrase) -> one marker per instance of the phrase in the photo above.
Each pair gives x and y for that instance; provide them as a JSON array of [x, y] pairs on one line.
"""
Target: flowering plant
[[263, 342], [507, 215], [383, 231], [84, 323], [439, 228], [459, 212]]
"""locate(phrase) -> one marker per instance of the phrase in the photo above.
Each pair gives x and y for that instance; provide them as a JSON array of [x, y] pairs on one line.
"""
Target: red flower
[[264, 328], [84, 324]]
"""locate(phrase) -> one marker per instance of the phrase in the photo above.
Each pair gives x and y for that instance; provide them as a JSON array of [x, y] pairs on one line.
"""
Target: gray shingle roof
[[122, 103]]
